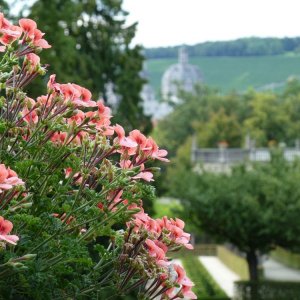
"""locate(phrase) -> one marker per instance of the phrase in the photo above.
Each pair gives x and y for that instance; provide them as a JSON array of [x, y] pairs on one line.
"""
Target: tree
[[255, 208], [267, 121], [220, 127], [291, 107]]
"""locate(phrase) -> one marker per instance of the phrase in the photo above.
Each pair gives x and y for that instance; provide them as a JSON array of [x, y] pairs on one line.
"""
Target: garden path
[[221, 273], [274, 270]]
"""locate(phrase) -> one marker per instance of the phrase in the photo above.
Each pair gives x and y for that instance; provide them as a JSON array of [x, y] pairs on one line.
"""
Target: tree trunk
[[253, 273], [252, 265]]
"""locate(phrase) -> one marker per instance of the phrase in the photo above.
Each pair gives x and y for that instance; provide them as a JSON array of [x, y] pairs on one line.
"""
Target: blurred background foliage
[[91, 46]]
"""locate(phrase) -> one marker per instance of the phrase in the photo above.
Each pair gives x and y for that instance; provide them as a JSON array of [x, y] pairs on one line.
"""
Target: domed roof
[[182, 74]]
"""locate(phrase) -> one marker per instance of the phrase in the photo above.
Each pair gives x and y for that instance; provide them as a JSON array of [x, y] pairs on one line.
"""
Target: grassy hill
[[238, 73]]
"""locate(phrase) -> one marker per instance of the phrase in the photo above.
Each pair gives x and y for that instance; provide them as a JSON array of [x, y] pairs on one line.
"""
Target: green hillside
[[239, 73]]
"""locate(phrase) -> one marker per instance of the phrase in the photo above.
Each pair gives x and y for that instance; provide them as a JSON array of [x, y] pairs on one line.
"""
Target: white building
[[180, 76]]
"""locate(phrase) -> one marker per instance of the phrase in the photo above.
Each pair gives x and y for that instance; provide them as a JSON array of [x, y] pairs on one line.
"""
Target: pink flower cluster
[[67, 99], [171, 231], [26, 32], [70, 100], [136, 150], [147, 243], [24, 42], [8, 179], [5, 228]]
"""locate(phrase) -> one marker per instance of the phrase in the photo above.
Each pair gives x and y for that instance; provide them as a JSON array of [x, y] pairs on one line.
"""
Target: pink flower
[[44, 100], [180, 273], [139, 138], [77, 118], [8, 178], [3, 173], [42, 43], [5, 228], [101, 122], [10, 34], [103, 110], [69, 92], [147, 176], [29, 114], [38, 41], [122, 140], [4, 23], [32, 34], [126, 164], [58, 137], [78, 95], [187, 282], [176, 233], [154, 152], [77, 176], [187, 293], [28, 26], [32, 61], [155, 250], [161, 154], [84, 98], [161, 245], [52, 85]]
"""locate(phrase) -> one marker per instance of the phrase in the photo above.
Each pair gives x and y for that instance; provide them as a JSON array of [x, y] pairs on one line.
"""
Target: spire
[[183, 56], [144, 72]]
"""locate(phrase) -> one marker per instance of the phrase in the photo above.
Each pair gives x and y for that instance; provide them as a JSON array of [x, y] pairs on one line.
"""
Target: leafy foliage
[[212, 117], [71, 190]]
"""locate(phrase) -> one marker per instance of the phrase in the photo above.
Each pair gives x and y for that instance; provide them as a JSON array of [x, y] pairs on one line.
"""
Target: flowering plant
[[69, 180]]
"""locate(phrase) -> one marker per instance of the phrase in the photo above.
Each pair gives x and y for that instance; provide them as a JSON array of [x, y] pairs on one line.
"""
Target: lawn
[[167, 207], [239, 73]]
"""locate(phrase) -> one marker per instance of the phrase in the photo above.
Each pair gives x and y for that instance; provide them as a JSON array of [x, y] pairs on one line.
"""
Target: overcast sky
[[174, 22]]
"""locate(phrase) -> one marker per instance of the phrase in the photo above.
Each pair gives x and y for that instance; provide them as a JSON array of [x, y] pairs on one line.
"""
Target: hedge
[[267, 290], [205, 286]]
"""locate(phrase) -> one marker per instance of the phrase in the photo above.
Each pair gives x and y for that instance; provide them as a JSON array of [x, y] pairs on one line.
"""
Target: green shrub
[[267, 290], [205, 286]]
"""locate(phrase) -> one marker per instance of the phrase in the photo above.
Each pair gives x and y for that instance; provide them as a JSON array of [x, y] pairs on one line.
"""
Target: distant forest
[[241, 47]]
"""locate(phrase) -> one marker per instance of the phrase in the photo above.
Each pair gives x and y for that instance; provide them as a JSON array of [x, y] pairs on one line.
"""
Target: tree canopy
[[252, 46], [213, 117], [255, 208]]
